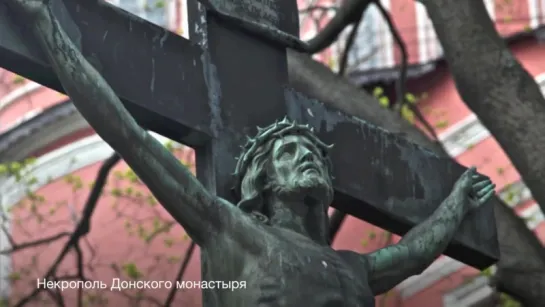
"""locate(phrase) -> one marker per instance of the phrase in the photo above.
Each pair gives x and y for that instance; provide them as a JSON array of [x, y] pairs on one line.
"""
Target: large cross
[[212, 90]]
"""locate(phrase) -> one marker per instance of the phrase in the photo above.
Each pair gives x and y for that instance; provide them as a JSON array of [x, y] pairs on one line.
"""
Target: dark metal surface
[[245, 78], [255, 26], [212, 91]]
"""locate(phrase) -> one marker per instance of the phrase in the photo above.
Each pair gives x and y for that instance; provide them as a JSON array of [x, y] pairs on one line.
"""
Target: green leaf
[[18, 79], [407, 113], [15, 166], [116, 192], [173, 259], [129, 191], [441, 124], [384, 101], [378, 91], [14, 276], [487, 272], [151, 201], [131, 270], [168, 242], [160, 4], [410, 98]]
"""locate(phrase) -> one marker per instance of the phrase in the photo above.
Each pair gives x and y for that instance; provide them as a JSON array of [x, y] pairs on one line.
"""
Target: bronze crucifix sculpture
[[276, 238]]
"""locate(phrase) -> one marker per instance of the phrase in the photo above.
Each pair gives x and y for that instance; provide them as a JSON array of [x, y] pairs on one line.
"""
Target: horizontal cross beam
[[162, 79], [150, 68]]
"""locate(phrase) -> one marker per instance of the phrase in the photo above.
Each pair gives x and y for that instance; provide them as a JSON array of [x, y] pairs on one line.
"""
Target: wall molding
[[533, 216], [439, 269], [464, 134], [515, 194], [57, 164], [469, 294], [40, 130], [18, 93]]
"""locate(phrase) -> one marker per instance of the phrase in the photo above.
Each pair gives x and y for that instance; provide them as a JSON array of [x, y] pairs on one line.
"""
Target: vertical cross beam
[[240, 71]]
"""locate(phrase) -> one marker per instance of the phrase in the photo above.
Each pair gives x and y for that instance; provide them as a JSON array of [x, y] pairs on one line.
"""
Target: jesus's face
[[297, 166]]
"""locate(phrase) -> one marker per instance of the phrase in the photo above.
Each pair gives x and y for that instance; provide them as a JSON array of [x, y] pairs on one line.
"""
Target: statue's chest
[[300, 272]]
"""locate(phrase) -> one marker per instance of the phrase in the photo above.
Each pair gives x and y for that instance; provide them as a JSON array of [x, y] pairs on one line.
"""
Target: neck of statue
[[299, 215]]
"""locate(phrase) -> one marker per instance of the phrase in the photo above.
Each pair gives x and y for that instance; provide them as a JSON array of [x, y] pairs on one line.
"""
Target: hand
[[473, 189]]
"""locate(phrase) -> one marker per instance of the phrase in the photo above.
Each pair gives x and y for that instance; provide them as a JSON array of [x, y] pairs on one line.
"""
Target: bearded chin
[[315, 187]]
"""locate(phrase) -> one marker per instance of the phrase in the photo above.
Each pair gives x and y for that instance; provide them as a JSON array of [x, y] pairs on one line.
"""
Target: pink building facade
[[38, 122]]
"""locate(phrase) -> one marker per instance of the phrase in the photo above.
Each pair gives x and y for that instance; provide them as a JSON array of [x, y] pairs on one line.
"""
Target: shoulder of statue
[[356, 260], [257, 216]]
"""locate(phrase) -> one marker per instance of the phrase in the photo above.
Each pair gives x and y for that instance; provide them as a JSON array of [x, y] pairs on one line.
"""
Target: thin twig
[[402, 78], [19, 247], [348, 46], [347, 14], [81, 230], [180, 275]]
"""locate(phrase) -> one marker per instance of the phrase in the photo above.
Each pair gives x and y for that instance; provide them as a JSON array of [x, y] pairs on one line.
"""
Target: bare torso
[[291, 270]]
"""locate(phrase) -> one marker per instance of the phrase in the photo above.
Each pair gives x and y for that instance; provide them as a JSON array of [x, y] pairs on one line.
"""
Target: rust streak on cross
[[212, 90]]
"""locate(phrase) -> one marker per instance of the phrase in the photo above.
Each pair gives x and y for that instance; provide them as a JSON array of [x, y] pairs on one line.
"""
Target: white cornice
[[515, 194], [442, 267], [59, 163], [463, 135], [469, 294], [17, 93], [55, 165], [40, 138], [533, 216], [19, 120]]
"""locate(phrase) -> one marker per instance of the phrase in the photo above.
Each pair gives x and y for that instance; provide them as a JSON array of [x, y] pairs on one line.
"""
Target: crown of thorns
[[275, 131]]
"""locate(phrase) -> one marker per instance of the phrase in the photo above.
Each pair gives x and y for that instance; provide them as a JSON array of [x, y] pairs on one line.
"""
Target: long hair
[[254, 182]]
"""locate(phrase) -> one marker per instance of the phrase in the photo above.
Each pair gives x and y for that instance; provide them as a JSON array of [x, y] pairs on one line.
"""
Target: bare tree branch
[[81, 230], [180, 274], [21, 246], [348, 46], [402, 78], [347, 14]]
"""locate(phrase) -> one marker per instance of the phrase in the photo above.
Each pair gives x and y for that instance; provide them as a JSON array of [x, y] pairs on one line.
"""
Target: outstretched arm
[[170, 182], [423, 244]]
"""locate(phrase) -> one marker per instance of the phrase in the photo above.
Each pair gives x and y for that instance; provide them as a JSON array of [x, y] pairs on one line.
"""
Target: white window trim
[[26, 117], [18, 93], [462, 135], [533, 13], [469, 294]]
